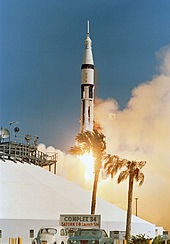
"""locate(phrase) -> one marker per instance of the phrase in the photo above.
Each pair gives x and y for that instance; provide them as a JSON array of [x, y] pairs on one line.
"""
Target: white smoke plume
[[68, 166], [141, 131]]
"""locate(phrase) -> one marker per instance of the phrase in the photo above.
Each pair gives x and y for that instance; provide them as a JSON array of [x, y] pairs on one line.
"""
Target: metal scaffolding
[[25, 153]]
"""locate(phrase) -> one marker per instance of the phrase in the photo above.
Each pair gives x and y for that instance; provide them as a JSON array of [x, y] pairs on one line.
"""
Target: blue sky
[[41, 48]]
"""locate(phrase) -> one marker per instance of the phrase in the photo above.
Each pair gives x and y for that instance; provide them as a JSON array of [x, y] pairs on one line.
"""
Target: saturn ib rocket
[[87, 85]]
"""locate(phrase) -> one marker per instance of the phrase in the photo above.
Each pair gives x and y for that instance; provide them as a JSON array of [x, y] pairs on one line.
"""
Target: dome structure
[[32, 197]]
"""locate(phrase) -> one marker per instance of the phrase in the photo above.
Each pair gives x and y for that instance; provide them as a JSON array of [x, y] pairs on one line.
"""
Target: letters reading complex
[[80, 221]]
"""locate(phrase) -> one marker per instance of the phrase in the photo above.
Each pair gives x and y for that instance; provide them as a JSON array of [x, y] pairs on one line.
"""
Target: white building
[[32, 197]]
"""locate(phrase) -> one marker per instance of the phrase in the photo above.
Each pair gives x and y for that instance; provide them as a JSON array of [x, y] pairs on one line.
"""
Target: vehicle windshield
[[49, 231], [91, 233]]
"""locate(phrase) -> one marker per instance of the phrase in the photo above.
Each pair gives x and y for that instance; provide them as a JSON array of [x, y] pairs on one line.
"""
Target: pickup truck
[[51, 235], [92, 236]]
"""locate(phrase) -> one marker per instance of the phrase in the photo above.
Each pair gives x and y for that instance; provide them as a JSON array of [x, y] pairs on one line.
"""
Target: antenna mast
[[88, 28]]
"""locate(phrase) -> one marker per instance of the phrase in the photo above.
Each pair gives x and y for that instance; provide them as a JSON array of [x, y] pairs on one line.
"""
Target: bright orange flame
[[88, 160]]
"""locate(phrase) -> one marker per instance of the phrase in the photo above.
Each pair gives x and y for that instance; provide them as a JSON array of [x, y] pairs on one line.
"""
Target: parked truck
[[92, 236]]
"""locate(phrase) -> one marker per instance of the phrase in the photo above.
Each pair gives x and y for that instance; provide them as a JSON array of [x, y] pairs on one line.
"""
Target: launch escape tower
[[87, 85]]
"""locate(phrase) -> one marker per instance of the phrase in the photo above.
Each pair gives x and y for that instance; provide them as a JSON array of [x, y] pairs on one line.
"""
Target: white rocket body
[[87, 85]]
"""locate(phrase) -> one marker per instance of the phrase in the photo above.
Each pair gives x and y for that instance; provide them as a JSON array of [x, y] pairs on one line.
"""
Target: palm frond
[[124, 161], [141, 164], [106, 159], [141, 178], [82, 138], [99, 140], [110, 171], [113, 164], [76, 150], [135, 174], [123, 176]]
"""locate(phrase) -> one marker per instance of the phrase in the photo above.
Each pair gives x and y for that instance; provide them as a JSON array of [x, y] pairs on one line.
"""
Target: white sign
[[80, 221]]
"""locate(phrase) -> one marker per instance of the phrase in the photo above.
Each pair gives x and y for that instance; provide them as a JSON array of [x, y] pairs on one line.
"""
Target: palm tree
[[94, 142], [133, 171]]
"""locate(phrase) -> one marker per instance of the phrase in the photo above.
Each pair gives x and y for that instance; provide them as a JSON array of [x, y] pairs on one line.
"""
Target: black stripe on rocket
[[87, 66]]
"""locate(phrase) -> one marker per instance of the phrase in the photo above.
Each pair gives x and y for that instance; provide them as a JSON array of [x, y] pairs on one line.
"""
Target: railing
[[25, 153]]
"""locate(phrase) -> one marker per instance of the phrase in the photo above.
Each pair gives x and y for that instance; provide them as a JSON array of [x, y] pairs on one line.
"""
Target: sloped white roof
[[30, 192]]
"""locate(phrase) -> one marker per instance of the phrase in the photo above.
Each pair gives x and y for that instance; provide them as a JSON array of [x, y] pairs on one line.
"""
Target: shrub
[[139, 239], [158, 240]]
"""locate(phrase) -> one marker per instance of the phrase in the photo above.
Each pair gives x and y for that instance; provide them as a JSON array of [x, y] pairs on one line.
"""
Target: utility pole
[[136, 205]]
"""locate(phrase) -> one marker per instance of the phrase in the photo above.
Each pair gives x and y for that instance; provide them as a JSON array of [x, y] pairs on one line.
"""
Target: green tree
[[133, 171], [94, 142]]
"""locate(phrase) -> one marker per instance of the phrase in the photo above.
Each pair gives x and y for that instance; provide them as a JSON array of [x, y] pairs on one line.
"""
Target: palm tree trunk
[[129, 210], [95, 183]]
